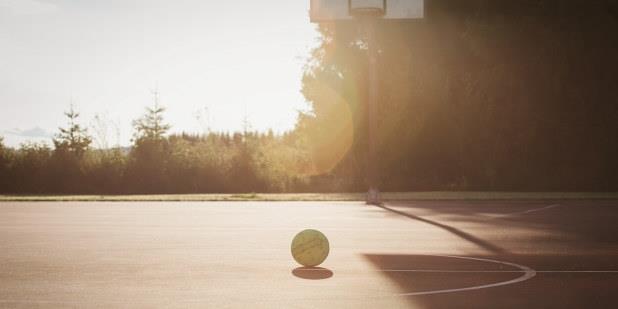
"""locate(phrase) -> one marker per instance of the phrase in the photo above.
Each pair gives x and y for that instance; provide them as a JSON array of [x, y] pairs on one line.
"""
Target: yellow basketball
[[310, 248]]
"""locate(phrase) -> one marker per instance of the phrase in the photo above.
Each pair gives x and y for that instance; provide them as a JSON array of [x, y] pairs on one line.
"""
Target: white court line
[[529, 273], [492, 271], [534, 210], [480, 271], [523, 212], [537, 209]]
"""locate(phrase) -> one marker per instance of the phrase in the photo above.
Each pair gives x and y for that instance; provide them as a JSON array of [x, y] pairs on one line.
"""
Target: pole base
[[373, 197]]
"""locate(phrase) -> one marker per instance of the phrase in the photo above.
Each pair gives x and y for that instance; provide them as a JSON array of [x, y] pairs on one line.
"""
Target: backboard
[[341, 10]]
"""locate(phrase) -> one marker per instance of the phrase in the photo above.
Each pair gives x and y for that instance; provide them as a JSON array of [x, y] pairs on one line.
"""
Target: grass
[[387, 196]]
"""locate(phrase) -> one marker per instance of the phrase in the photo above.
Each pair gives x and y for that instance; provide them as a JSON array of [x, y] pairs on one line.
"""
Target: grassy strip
[[387, 196]]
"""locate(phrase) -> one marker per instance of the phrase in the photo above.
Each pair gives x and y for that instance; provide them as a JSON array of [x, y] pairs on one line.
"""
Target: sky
[[213, 63]]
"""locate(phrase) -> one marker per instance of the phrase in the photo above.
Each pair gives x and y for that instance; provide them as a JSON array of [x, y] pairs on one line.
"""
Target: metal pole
[[373, 195]]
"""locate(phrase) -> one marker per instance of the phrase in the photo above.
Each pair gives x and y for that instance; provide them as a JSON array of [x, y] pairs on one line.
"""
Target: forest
[[479, 95]]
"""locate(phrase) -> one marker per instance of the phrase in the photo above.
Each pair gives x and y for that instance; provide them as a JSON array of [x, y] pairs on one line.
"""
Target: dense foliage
[[482, 95]]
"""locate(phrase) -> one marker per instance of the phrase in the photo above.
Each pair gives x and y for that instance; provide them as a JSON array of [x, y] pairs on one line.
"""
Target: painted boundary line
[[525, 212], [534, 210], [497, 271], [529, 273]]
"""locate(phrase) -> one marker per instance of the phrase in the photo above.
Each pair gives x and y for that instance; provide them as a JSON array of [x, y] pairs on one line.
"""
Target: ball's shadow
[[312, 273]]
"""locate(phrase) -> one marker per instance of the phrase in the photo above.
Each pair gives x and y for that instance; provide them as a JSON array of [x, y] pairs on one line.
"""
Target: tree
[[4, 166], [66, 164], [2, 151], [74, 139], [334, 130], [151, 152], [151, 126]]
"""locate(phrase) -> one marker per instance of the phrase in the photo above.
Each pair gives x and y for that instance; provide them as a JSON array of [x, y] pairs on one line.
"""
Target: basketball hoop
[[323, 11]]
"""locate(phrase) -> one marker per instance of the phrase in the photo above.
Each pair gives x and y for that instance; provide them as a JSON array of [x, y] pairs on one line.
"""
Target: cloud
[[26, 7], [35, 132]]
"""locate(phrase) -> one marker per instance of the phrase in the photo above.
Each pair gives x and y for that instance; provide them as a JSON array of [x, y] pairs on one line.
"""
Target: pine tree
[[74, 139], [150, 127]]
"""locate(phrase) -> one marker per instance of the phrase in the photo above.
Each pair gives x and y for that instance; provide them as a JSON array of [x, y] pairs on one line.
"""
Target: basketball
[[310, 248]]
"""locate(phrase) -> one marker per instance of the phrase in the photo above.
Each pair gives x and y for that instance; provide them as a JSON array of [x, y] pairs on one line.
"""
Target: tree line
[[157, 162], [479, 95]]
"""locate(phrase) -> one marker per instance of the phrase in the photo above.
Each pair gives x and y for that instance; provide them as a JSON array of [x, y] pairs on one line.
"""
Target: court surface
[[418, 254]]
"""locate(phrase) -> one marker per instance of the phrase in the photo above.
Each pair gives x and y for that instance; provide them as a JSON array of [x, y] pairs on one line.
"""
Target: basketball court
[[417, 254], [236, 254]]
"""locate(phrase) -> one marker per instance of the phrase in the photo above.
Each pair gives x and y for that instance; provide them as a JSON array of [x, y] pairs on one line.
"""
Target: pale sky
[[226, 57]]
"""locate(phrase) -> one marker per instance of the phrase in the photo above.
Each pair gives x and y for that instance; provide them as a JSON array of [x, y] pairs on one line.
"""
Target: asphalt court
[[417, 254]]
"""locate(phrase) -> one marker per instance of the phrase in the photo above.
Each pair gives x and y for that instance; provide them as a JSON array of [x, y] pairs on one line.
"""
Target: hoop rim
[[367, 11]]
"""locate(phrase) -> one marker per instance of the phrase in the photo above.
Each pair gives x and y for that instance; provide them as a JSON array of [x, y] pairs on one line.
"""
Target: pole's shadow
[[312, 273]]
